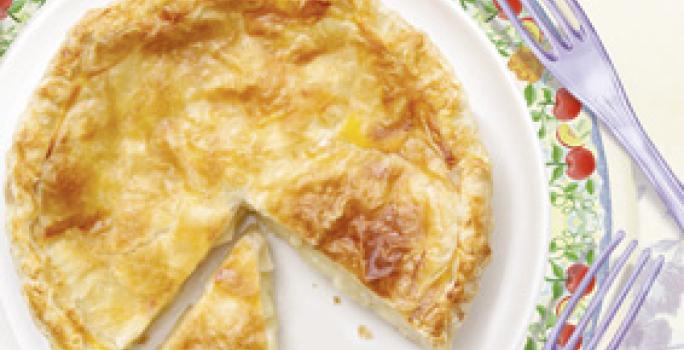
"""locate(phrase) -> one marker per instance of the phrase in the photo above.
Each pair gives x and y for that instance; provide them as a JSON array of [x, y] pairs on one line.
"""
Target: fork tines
[[560, 35], [615, 270]]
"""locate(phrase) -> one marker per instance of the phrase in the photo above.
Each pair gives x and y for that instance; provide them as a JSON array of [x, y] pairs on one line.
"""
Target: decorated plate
[[549, 177]]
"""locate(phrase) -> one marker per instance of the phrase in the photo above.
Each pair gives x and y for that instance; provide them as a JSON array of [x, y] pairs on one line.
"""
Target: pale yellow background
[[646, 41]]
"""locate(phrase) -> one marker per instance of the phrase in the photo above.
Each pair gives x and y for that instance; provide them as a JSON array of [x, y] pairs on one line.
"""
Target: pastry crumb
[[365, 332], [337, 300]]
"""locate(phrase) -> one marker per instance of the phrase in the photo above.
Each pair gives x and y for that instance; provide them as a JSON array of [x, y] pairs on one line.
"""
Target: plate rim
[[51, 7], [546, 216]]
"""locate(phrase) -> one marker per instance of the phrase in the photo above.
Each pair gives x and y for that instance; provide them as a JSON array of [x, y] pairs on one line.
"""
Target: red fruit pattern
[[514, 4], [575, 274], [580, 163], [567, 107], [573, 180], [4, 6], [565, 334], [569, 157]]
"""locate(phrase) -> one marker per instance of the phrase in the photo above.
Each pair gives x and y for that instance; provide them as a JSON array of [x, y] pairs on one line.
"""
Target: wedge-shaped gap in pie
[[236, 310], [193, 288]]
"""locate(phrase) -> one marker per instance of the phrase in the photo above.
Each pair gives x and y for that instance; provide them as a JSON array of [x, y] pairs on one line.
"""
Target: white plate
[[309, 318]]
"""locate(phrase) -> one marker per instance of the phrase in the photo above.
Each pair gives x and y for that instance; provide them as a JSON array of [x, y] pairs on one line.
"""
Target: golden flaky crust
[[159, 119], [236, 311]]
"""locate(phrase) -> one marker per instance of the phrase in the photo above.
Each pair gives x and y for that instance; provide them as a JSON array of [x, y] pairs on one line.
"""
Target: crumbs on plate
[[365, 332], [337, 300]]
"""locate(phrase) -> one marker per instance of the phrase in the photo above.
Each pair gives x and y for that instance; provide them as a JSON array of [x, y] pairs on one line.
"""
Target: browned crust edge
[[42, 120]]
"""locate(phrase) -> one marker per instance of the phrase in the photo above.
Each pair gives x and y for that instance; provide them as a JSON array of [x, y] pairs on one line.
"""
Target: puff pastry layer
[[236, 311], [158, 120]]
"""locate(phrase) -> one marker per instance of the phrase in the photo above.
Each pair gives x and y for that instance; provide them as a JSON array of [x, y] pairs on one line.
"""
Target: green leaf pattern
[[17, 15], [577, 215]]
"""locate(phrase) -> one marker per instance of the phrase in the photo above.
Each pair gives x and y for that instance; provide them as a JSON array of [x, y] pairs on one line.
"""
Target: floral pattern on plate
[[578, 191], [576, 167], [566, 135]]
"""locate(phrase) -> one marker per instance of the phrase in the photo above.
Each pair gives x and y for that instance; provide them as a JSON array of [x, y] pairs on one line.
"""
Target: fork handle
[[639, 146]]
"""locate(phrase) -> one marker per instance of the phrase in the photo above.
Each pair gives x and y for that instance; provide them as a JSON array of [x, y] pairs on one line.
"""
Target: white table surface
[[645, 41]]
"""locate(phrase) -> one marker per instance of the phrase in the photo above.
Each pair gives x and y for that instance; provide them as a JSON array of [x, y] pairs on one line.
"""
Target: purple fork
[[649, 279], [579, 61]]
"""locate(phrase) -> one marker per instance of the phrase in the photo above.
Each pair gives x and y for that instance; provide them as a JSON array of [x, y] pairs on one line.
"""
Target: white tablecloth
[[645, 41]]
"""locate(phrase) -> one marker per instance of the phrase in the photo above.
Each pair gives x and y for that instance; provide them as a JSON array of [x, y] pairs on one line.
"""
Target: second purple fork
[[579, 61], [616, 270]]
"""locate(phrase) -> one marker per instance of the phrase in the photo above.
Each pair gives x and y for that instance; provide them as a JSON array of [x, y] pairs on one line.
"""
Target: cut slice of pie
[[159, 120], [236, 311]]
